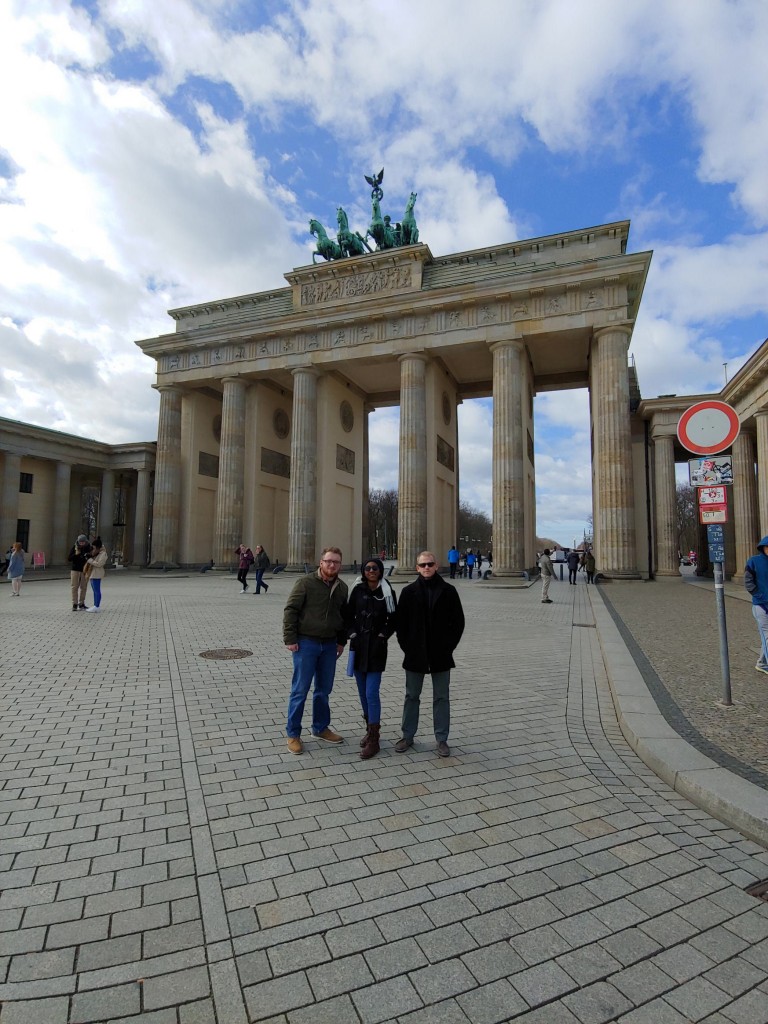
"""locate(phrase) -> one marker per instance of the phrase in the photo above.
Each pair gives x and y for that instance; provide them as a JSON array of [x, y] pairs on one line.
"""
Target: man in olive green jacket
[[314, 633]]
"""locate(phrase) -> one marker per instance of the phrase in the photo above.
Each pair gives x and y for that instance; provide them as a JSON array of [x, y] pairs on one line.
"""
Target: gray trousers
[[441, 705]]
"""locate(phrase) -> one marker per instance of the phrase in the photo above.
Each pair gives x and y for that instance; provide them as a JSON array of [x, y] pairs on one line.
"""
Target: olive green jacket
[[315, 609]]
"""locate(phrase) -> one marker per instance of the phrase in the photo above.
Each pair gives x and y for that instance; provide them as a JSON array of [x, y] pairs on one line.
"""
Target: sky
[[159, 154]]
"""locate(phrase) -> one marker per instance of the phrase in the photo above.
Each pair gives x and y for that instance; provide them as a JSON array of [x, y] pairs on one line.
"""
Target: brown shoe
[[329, 736], [295, 745], [371, 747], [443, 750], [403, 743], [365, 738]]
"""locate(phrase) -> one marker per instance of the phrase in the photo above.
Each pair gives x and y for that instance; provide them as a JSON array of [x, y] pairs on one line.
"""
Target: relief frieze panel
[[345, 459], [387, 279]]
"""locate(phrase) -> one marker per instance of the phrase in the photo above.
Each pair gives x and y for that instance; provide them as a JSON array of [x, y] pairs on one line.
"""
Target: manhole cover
[[760, 890], [226, 654]]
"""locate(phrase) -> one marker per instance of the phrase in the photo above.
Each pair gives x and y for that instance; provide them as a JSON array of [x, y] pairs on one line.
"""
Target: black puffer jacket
[[369, 626], [430, 623]]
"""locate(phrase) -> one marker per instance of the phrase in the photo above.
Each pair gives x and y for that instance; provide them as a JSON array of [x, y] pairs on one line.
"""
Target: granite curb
[[715, 789]]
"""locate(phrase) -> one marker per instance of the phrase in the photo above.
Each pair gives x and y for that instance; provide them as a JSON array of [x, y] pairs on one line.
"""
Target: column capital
[[620, 328], [760, 414], [171, 388], [505, 343], [422, 356], [313, 371], [660, 433], [234, 378]]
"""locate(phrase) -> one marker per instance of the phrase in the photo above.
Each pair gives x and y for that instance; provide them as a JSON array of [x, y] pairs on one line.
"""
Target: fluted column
[[141, 518], [745, 524], [761, 420], [107, 509], [165, 514], [412, 493], [615, 521], [60, 534], [302, 495], [508, 464], [667, 562], [366, 532], [228, 529], [9, 508]]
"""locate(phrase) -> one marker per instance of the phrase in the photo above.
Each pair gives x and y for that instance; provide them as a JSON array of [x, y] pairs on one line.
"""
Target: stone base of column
[[666, 572], [507, 573], [302, 569], [164, 565], [615, 574]]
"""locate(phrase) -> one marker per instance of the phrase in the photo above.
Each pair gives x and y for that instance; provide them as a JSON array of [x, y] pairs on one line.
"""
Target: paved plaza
[[165, 859]]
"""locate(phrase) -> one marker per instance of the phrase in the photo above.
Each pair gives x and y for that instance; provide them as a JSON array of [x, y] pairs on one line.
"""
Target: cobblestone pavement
[[674, 622], [165, 859]]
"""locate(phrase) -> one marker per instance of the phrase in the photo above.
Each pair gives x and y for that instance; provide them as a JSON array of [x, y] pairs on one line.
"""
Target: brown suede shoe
[[443, 750], [329, 736], [403, 743], [295, 745]]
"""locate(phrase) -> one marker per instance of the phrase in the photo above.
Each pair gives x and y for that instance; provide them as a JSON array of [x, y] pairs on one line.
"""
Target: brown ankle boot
[[371, 746], [364, 740]]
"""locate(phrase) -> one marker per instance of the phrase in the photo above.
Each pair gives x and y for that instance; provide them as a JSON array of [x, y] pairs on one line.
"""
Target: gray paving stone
[[278, 996], [53, 1010], [340, 1010], [120, 1000], [299, 954], [492, 1003], [95, 955], [386, 1000], [353, 938], [441, 943], [339, 976], [588, 964], [542, 983], [33, 966], [697, 998]]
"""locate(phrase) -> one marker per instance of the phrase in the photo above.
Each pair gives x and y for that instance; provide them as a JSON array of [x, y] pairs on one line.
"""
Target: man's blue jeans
[[369, 686], [315, 659], [761, 618]]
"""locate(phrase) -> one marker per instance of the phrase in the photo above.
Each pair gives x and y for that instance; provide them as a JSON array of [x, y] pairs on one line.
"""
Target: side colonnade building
[[54, 486]]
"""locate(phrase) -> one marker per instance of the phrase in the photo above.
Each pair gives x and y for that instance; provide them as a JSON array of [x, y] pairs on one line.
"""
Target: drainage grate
[[759, 889], [226, 654]]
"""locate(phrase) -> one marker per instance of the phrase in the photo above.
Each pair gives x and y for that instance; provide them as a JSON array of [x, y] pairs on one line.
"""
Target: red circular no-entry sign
[[708, 427]]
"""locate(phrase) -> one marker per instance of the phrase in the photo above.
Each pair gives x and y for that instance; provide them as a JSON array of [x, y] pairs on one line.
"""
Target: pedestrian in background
[[573, 566], [370, 617], [261, 563], [756, 583], [547, 575], [471, 559], [589, 566], [429, 625], [245, 560], [315, 633], [453, 561], [95, 571], [16, 568], [77, 558]]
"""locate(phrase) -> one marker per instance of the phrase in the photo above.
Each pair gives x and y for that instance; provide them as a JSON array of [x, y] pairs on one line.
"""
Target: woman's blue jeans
[[368, 686], [96, 586], [315, 659]]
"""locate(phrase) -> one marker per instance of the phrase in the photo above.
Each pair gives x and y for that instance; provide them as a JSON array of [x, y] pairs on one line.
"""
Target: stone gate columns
[[61, 541], [612, 475], [107, 509], [412, 496], [140, 518], [367, 549], [165, 518], [745, 524], [302, 496], [761, 419], [9, 507], [228, 527], [667, 562], [508, 450]]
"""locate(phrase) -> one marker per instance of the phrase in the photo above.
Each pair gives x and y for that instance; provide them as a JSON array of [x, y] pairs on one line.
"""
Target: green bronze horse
[[326, 247], [409, 233], [380, 229], [350, 242]]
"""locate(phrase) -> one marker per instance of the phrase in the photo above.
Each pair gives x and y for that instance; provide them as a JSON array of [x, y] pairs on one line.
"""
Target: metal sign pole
[[725, 662]]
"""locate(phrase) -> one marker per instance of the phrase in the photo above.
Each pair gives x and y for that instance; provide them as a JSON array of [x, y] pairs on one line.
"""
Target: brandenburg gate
[[264, 399]]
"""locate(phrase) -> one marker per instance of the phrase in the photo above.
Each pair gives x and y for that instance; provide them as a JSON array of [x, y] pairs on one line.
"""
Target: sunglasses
[[371, 568], [425, 565]]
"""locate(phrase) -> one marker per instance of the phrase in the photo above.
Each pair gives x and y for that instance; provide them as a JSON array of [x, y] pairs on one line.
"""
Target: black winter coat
[[429, 635], [369, 626]]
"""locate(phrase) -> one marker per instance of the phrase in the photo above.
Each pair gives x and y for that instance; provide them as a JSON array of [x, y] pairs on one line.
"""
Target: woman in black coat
[[370, 620]]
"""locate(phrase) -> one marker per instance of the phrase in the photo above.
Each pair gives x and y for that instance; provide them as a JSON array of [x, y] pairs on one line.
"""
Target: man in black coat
[[429, 625]]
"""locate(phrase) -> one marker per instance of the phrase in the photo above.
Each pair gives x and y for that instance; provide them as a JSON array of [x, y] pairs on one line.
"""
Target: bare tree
[[686, 518], [475, 528], [382, 521]]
